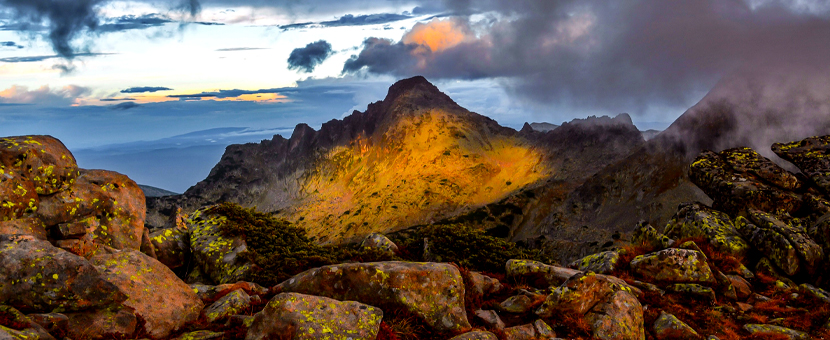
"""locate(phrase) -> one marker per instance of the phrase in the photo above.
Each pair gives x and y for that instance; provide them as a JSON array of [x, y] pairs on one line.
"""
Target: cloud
[[124, 106], [237, 49], [261, 96], [31, 59], [132, 22], [11, 44], [142, 89], [306, 58], [606, 55], [115, 99], [44, 96], [352, 20], [66, 19]]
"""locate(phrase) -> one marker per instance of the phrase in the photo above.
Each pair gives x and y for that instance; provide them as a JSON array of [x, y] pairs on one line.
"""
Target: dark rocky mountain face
[[414, 158]]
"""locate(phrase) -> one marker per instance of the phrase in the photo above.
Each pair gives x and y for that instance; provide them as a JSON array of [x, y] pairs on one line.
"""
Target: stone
[[742, 288], [230, 304], [778, 330], [209, 294], [490, 318], [147, 246], [299, 316], [201, 335], [533, 331], [102, 324], [220, 257], [694, 220], [695, 290], [815, 292], [483, 285], [538, 274], [42, 160], [432, 291], [579, 294], [669, 327], [618, 317], [787, 246], [54, 323], [114, 200], [673, 265], [517, 304], [379, 241], [17, 196], [172, 246], [476, 335], [73, 229], [601, 263], [646, 235], [14, 319], [157, 295], [811, 156], [35, 276], [32, 226]]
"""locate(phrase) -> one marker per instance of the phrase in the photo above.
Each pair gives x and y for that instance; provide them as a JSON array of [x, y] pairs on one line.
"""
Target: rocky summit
[[742, 255]]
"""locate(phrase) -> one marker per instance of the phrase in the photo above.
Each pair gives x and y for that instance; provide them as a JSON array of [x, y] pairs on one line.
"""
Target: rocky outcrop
[[695, 220], [432, 291], [299, 316], [811, 156], [674, 265]]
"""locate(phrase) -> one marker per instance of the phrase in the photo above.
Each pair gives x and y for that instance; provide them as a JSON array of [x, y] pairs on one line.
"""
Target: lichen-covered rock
[[532, 331], [112, 200], [788, 246], [812, 156], [201, 335], [379, 241], [695, 290], [171, 246], [483, 285], [673, 265], [17, 196], [157, 295], [54, 323], [669, 327], [299, 316], [815, 292], [600, 263], [476, 335], [742, 288], [620, 317], [102, 324], [538, 274], [579, 294], [230, 304], [646, 235], [35, 276], [24, 226], [220, 257], [518, 304], [697, 220], [719, 176], [209, 294], [490, 318], [42, 160], [432, 291], [7, 333], [777, 330], [14, 319]]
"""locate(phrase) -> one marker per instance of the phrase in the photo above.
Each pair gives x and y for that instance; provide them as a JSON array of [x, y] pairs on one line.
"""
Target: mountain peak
[[417, 90]]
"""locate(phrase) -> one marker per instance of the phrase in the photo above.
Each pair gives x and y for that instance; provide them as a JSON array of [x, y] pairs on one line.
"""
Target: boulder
[[538, 330], [432, 291], [538, 274], [171, 246], [517, 304], [482, 285], [209, 294], [298, 316], [476, 335], [32, 226], [201, 335], [54, 323], [230, 304], [694, 220], [35, 276], [600, 263], [673, 265], [579, 294], [696, 291], [646, 235], [379, 241], [811, 156], [14, 319], [42, 160], [776, 330], [618, 317], [669, 327], [787, 246], [733, 191], [102, 324], [743, 289], [490, 318], [17, 196], [220, 257], [110, 204], [157, 295]]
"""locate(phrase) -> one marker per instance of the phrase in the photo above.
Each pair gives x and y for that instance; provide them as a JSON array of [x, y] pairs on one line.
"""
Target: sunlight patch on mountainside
[[426, 167]]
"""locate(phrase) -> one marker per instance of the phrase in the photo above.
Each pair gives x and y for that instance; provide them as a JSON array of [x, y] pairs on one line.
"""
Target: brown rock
[[102, 324], [431, 291], [35, 276], [54, 323], [172, 246], [161, 299], [538, 274], [697, 220], [24, 226], [17, 196], [669, 327], [578, 295], [619, 317], [220, 257], [673, 265], [42, 160], [490, 318], [742, 288], [231, 304], [298, 316], [811, 156], [483, 285], [532, 331], [476, 335], [209, 294]]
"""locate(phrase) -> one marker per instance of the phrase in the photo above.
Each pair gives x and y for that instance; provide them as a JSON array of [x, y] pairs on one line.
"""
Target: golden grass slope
[[424, 168]]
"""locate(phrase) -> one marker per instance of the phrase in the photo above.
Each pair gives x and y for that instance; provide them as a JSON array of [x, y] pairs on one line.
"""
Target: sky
[[100, 72]]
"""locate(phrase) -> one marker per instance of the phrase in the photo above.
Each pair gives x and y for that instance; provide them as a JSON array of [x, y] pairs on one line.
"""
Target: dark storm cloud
[[11, 44], [143, 89], [66, 19], [352, 20], [30, 59], [132, 22], [306, 58], [610, 55]]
